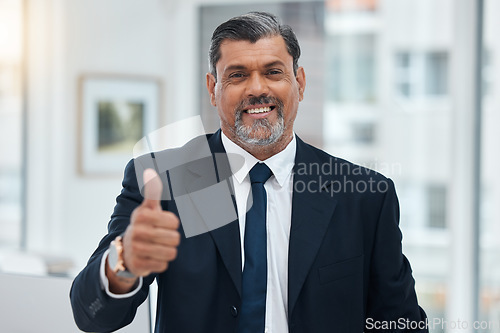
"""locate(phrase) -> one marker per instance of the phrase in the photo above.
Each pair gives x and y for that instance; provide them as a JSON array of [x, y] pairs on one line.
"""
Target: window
[[403, 74], [363, 133], [351, 68], [436, 73], [421, 74], [436, 206]]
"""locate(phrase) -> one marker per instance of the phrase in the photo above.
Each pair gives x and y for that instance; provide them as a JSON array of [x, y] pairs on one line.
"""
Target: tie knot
[[260, 173]]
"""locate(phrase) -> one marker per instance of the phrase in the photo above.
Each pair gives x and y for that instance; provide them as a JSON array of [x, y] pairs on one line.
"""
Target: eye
[[274, 72], [236, 75]]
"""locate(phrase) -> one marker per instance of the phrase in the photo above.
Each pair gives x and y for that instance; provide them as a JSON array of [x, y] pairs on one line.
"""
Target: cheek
[[292, 100], [291, 106], [226, 107]]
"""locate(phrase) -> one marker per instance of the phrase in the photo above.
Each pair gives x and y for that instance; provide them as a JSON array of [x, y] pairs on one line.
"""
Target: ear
[[211, 81], [301, 82]]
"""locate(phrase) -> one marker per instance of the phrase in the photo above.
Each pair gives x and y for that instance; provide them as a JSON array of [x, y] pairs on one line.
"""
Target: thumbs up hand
[[150, 241]]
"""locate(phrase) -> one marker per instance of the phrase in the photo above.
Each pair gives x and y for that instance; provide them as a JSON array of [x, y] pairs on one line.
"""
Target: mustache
[[258, 100]]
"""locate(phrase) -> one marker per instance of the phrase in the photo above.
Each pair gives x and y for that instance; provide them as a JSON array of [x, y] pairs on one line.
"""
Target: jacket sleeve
[[93, 309], [392, 301]]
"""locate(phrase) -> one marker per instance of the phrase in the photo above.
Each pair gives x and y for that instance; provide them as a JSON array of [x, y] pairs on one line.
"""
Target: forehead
[[245, 53]]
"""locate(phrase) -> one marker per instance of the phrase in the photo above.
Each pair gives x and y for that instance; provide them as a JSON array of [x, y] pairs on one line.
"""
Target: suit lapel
[[227, 237], [311, 215]]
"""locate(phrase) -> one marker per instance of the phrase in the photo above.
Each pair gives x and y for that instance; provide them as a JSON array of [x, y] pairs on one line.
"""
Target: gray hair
[[252, 27]]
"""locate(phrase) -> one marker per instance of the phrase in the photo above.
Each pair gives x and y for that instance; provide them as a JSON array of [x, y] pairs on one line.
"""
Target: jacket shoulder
[[311, 159]]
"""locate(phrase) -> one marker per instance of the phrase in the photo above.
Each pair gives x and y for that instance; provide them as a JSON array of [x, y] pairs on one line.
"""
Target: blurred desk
[[41, 304]]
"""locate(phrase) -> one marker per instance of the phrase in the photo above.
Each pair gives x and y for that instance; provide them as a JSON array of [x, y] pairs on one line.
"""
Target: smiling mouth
[[260, 110]]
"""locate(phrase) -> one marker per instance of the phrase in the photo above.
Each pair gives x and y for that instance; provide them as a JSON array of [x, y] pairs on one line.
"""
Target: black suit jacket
[[346, 269]]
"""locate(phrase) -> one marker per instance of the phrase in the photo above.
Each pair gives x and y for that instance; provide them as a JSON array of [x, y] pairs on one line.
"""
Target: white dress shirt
[[279, 189], [279, 216]]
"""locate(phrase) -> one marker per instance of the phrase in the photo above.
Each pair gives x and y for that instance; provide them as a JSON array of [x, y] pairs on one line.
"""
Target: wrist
[[117, 286], [116, 261]]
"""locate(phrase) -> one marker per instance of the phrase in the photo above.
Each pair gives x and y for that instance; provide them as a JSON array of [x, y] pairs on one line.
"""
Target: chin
[[263, 136], [259, 139]]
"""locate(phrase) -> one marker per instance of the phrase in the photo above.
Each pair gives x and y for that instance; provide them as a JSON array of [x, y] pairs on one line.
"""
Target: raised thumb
[[153, 188]]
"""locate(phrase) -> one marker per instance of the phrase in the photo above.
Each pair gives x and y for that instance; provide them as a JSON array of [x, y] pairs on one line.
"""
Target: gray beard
[[250, 134]]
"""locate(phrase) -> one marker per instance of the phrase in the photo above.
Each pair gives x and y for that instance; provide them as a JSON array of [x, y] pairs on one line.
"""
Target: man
[[318, 250]]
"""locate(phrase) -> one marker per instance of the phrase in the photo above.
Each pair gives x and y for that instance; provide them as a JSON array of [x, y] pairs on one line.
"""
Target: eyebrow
[[234, 68], [241, 67], [275, 63]]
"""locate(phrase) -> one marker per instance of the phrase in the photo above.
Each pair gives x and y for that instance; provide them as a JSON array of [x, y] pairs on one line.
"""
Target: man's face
[[256, 92]]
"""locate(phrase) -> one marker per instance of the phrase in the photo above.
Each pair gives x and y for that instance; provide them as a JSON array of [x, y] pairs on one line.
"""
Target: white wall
[[67, 213]]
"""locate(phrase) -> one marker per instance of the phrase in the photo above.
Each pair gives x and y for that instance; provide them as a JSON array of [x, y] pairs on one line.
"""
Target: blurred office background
[[407, 87]]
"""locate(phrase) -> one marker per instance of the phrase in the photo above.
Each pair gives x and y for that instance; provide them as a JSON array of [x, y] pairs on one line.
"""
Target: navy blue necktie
[[254, 282]]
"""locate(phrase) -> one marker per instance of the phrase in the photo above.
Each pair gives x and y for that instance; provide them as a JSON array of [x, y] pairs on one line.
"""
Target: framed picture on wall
[[116, 111]]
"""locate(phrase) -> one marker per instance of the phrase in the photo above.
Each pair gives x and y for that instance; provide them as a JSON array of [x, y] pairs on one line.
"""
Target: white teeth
[[259, 110]]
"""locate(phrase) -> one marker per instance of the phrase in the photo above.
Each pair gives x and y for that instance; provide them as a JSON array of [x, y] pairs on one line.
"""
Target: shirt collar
[[280, 164]]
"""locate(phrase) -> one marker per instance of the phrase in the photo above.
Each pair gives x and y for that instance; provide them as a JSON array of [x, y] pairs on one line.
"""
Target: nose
[[257, 85]]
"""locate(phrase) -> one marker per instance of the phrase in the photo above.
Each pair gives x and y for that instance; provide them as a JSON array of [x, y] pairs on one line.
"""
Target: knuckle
[[171, 253], [173, 220], [176, 222], [163, 266], [176, 238]]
